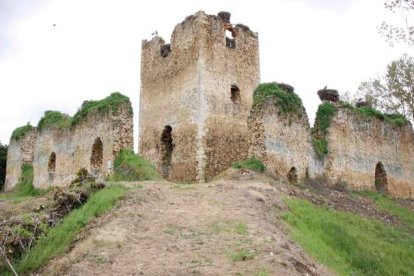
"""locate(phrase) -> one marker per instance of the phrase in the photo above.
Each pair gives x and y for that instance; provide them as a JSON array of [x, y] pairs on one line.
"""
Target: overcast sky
[[94, 49]]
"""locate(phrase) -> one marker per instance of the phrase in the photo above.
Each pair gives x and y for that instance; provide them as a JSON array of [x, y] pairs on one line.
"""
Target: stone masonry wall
[[19, 152], [73, 147], [357, 143], [281, 141], [189, 89], [58, 154]]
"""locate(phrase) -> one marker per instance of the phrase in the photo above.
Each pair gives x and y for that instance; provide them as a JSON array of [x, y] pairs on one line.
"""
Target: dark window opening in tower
[[167, 147], [165, 50], [97, 155], [230, 39], [51, 167], [235, 94]]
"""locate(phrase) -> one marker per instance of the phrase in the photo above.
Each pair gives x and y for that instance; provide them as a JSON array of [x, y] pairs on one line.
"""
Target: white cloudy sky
[[94, 49]]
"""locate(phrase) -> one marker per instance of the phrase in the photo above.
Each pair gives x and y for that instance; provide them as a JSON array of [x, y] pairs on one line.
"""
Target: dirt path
[[220, 228]]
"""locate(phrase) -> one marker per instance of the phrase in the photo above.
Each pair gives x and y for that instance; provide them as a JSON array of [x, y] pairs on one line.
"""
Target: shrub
[[54, 119], [324, 116], [286, 102], [110, 103], [21, 131], [320, 146], [130, 167], [25, 185], [251, 164]]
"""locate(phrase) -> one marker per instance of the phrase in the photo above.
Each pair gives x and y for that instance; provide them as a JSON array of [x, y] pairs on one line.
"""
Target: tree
[[394, 92], [3, 161], [404, 31]]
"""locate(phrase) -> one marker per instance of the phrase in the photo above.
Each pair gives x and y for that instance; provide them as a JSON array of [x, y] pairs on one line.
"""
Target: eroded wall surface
[[19, 152], [189, 89], [281, 141], [92, 144], [357, 143]]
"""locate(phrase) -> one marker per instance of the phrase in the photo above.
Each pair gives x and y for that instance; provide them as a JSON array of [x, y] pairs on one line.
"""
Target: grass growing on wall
[[350, 244], [54, 119], [130, 167], [58, 239], [324, 115], [286, 102], [251, 164], [25, 185], [112, 102], [21, 131]]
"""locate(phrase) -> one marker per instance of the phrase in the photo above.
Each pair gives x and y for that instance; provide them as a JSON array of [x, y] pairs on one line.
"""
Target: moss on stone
[[21, 131], [286, 102], [110, 103], [54, 119]]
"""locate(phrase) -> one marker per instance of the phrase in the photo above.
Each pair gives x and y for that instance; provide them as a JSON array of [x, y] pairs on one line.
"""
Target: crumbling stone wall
[[20, 151], [58, 154], [281, 141], [202, 89], [358, 144]]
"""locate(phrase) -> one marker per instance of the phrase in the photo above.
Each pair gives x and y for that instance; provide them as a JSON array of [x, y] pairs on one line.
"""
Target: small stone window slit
[[230, 39]]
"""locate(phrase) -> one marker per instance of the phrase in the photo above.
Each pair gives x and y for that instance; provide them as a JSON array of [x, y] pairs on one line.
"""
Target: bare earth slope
[[225, 227]]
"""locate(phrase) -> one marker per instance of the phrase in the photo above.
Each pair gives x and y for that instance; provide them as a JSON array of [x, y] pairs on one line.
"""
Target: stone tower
[[196, 94]]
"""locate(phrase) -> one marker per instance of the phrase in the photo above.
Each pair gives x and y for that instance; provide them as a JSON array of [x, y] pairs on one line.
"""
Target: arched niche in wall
[[97, 155], [381, 182]]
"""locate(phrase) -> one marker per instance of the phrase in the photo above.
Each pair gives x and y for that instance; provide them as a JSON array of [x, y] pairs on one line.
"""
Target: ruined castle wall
[[19, 152], [190, 91], [357, 143], [226, 138], [79, 147], [281, 141]]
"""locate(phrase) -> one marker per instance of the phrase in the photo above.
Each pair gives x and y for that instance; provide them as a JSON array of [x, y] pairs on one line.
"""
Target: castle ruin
[[202, 108]]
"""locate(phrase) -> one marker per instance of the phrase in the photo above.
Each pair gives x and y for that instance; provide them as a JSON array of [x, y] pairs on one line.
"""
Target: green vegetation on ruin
[[130, 167], [350, 244], [25, 185], [286, 102], [54, 119], [251, 164], [324, 116], [111, 103], [21, 131], [58, 239]]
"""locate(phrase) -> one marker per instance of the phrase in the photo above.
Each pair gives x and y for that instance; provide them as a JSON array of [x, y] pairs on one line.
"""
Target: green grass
[[58, 238], [240, 255], [229, 227], [349, 244], [110, 103], [21, 131], [130, 167], [54, 119], [324, 115], [286, 102], [25, 186], [391, 207], [251, 164]]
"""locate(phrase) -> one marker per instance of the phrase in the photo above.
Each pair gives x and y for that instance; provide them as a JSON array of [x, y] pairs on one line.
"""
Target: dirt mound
[[225, 227]]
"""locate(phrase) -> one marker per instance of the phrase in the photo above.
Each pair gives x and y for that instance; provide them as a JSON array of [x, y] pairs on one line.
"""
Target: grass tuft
[[286, 102], [54, 119], [110, 103], [350, 244], [58, 239], [130, 167], [240, 255], [21, 131], [251, 164]]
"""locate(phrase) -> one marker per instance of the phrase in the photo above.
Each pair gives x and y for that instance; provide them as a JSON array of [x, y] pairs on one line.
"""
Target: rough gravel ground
[[226, 227]]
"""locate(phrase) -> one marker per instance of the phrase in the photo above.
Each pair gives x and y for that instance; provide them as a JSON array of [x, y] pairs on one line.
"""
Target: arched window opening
[[292, 175], [51, 166], [167, 147], [97, 155], [381, 183], [230, 38], [235, 94]]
